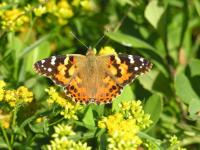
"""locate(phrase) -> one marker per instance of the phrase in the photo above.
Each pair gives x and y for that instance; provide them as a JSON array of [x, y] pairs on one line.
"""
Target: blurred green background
[[166, 32]]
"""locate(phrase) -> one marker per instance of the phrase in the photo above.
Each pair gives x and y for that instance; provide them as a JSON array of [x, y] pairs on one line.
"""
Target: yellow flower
[[64, 9], [11, 97], [87, 5], [63, 130], [2, 84], [40, 10], [61, 141], [40, 119], [5, 119], [24, 95], [174, 141], [69, 108], [123, 127], [133, 110], [2, 91], [107, 50], [13, 19], [21, 95]]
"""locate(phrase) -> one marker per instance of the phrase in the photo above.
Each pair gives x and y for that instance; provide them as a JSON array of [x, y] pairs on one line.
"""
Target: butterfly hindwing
[[59, 69]]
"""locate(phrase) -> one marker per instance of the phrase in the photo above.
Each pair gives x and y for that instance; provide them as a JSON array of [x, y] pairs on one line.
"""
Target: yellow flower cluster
[[5, 119], [133, 110], [174, 141], [70, 108], [107, 50], [14, 97], [61, 140], [123, 126], [14, 19]]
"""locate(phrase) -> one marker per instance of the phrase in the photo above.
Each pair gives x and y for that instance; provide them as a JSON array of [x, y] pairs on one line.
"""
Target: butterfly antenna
[[100, 39], [79, 40]]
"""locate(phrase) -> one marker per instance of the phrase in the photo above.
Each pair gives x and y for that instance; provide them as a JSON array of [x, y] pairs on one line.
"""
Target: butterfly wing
[[60, 69], [125, 68]]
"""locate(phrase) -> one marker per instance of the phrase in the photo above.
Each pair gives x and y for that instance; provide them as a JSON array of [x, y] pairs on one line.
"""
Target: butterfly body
[[92, 78]]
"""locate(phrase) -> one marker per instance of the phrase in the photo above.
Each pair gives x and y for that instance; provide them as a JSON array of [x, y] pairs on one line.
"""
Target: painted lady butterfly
[[92, 78]]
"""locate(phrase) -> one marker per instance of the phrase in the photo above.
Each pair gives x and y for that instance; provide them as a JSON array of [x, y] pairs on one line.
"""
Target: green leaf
[[147, 80], [194, 109], [154, 107], [89, 118], [194, 67], [34, 45], [41, 127], [155, 142], [128, 40], [184, 89], [197, 6], [40, 52], [154, 12], [126, 95], [154, 81]]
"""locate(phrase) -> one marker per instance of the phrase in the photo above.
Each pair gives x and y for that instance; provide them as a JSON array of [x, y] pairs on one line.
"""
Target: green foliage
[[163, 31]]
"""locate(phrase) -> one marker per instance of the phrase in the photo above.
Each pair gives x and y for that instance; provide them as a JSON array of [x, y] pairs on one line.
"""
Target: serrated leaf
[[154, 12], [184, 89]]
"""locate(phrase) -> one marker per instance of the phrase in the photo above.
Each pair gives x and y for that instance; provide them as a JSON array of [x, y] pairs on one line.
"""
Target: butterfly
[[92, 78]]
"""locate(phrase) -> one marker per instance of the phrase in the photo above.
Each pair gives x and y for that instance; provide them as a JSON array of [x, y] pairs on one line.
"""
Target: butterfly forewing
[[60, 69], [125, 68]]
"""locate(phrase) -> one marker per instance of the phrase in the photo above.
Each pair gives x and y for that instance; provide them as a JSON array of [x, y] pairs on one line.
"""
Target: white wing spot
[[141, 59], [42, 61], [45, 68], [131, 59], [136, 68], [49, 69], [142, 64], [140, 67], [53, 59]]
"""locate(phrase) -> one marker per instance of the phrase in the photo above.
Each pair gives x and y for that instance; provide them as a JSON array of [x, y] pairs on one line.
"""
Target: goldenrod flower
[[21, 95], [123, 127], [13, 19], [122, 133], [40, 119], [5, 119], [69, 108], [133, 110], [63, 130], [11, 97], [87, 5], [39, 11], [61, 140], [64, 9], [107, 50], [24, 95], [2, 91], [174, 141]]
